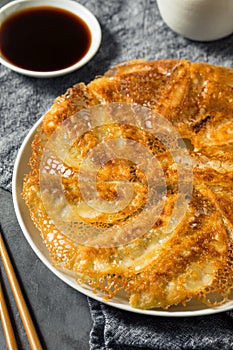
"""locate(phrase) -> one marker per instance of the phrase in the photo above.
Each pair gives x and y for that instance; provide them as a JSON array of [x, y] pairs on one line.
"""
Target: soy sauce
[[44, 39]]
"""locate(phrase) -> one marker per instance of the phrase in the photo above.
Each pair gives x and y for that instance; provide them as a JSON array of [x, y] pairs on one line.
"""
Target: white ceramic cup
[[202, 20]]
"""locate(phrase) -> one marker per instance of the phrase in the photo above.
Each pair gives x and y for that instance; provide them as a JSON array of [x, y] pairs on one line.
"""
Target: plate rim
[[70, 280]]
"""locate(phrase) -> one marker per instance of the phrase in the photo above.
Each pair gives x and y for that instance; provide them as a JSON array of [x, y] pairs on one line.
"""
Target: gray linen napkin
[[131, 29], [116, 329]]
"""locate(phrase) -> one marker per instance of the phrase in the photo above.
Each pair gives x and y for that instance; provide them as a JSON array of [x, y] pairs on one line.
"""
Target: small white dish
[[35, 241], [68, 5]]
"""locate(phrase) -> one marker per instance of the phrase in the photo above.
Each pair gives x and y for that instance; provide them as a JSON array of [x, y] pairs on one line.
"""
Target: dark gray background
[[131, 29]]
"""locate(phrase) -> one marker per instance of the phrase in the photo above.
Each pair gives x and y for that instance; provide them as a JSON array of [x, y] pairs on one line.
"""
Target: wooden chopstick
[[19, 299], [6, 323]]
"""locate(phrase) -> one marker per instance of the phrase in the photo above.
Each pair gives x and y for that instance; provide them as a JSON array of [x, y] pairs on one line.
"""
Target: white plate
[[34, 239]]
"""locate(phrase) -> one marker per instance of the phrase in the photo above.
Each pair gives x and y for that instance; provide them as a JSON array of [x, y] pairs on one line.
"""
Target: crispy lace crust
[[162, 267]]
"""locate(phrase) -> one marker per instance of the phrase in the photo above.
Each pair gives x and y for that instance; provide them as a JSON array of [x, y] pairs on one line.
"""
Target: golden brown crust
[[169, 264]]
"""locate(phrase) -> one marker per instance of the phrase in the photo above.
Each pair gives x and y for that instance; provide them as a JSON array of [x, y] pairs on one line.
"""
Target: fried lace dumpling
[[173, 260]]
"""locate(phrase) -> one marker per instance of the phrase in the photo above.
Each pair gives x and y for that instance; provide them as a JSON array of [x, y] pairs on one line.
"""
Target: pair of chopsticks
[[21, 304]]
